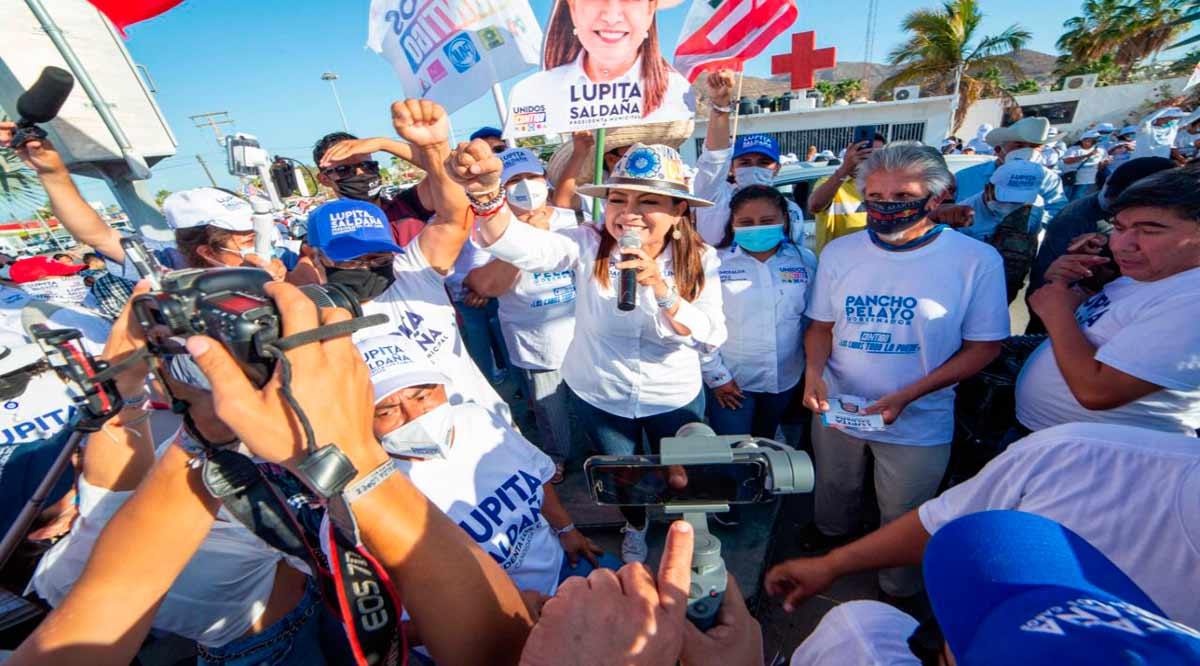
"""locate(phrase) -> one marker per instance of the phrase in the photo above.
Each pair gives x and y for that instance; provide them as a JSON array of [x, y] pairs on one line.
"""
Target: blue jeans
[[583, 567], [308, 635], [759, 415], [485, 343], [622, 435]]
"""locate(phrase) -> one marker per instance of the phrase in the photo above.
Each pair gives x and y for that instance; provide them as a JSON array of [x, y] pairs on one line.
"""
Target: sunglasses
[[344, 170]]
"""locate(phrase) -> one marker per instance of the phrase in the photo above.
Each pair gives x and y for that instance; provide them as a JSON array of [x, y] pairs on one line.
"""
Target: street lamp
[[331, 77]]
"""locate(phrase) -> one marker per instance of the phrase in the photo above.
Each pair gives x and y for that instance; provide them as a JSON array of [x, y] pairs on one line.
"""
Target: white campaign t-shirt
[[537, 316], [1130, 492], [859, 633], [764, 304], [491, 486], [217, 597], [41, 412], [1145, 329], [898, 316], [417, 306], [1085, 171]]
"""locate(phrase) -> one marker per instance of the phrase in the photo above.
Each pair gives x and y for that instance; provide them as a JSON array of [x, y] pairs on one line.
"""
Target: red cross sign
[[804, 60]]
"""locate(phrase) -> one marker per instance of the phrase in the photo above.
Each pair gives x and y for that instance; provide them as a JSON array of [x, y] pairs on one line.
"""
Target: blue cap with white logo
[[346, 229], [518, 162], [757, 143], [1015, 588], [486, 133]]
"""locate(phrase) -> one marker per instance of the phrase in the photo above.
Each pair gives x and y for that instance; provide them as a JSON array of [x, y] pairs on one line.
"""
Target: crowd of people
[[1078, 536]]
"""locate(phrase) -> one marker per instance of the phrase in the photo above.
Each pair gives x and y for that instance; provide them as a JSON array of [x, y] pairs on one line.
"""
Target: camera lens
[[332, 296]]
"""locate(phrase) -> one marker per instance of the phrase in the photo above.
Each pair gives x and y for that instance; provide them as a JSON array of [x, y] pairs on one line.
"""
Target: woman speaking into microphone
[[636, 372]]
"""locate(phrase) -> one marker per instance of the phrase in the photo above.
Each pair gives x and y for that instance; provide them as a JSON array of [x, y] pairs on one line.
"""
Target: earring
[[575, 31], [676, 234]]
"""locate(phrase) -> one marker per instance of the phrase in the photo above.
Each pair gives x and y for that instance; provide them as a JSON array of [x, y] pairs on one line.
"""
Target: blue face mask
[[758, 239]]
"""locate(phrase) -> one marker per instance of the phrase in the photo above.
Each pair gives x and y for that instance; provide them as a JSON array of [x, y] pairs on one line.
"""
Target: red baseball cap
[[31, 269]]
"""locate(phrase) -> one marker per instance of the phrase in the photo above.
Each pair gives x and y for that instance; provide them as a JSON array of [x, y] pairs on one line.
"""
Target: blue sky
[[261, 60]]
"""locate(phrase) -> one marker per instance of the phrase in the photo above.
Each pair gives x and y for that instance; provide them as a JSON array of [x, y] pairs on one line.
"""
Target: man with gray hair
[[900, 314]]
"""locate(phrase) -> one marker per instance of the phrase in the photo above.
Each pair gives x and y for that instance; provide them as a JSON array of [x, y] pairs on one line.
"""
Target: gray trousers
[[551, 408], [905, 476]]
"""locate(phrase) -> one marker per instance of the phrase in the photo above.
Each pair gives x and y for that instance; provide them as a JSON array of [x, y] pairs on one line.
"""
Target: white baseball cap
[[397, 362], [518, 162], [208, 207], [1018, 181]]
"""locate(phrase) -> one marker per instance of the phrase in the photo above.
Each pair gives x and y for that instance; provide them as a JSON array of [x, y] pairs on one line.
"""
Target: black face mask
[[363, 187], [364, 283]]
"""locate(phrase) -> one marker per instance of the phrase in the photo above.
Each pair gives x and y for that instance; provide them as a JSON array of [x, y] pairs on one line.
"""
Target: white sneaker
[[633, 547]]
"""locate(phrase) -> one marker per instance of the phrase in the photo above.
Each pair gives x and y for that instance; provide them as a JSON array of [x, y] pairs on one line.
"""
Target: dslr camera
[[228, 304]]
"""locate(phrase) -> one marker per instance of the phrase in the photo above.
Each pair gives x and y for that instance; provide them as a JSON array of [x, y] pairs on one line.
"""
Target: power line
[[213, 121]]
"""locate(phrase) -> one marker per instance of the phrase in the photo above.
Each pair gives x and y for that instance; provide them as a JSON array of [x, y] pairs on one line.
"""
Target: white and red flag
[[725, 33]]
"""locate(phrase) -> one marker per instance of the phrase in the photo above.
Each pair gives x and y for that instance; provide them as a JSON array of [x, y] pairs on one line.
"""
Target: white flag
[[452, 51], [1193, 79]]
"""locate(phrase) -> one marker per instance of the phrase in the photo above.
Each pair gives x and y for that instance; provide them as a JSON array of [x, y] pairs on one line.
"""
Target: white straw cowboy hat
[[1026, 130], [656, 169], [671, 134]]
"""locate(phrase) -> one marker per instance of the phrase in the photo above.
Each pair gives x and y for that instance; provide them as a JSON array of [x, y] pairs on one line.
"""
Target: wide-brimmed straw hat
[[671, 134], [656, 169]]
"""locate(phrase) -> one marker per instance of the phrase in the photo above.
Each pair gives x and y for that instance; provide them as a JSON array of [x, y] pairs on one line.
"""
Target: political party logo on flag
[[459, 48], [719, 34]]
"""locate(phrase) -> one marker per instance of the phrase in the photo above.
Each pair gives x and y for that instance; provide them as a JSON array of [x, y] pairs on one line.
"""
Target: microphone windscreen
[[45, 98], [630, 239]]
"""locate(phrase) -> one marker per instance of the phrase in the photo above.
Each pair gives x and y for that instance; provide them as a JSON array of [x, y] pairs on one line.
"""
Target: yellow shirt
[[843, 215]]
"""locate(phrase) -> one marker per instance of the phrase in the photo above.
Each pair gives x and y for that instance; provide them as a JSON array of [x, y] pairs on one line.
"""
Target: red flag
[[127, 12], [726, 34]]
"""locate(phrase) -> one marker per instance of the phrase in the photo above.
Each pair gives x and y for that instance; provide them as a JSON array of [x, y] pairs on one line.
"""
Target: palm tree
[[944, 53], [1127, 30], [1098, 30]]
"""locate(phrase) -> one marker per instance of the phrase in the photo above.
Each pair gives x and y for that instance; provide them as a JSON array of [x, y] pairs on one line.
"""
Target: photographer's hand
[[623, 618], [440, 572], [736, 638]]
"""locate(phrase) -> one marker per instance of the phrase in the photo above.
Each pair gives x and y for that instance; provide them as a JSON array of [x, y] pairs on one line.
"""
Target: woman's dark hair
[[756, 193], [563, 47], [188, 240], [686, 253], [1177, 190]]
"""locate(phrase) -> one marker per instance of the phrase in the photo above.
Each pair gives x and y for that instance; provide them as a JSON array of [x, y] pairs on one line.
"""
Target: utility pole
[[869, 47], [206, 171], [331, 77], [213, 121]]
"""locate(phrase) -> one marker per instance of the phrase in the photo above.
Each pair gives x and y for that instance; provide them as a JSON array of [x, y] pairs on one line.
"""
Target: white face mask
[[1002, 209], [1026, 154], [747, 176], [528, 195], [426, 437]]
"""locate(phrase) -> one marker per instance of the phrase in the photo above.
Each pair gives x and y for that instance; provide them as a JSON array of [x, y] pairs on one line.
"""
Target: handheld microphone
[[41, 104], [627, 296]]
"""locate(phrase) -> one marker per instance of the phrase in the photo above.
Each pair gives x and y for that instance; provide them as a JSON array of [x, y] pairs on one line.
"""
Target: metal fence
[[835, 138]]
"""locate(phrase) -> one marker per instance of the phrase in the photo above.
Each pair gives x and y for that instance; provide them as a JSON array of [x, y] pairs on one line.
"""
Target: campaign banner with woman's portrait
[[601, 67]]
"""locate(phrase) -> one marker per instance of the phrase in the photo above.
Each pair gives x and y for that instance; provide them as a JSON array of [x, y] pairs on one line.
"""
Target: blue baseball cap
[[346, 229], [757, 143], [1015, 588], [486, 132]]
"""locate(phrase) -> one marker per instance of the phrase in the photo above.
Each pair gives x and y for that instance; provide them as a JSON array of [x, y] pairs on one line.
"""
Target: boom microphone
[[41, 104], [627, 297]]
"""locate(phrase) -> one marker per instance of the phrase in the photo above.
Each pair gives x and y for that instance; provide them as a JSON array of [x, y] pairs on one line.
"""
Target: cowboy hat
[[1026, 130], [655, 169]]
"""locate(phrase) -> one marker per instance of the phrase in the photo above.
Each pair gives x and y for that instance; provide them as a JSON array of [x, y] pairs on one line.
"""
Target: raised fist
[[720, 87], [421, 122], [475, 167]]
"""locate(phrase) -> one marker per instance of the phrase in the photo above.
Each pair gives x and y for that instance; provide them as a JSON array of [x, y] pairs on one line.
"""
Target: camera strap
[[353, 583]]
